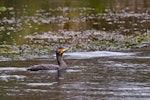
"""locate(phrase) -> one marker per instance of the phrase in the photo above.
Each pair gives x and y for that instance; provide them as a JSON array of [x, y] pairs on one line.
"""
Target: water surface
[[81, 24], [30, 31], [123, 76]]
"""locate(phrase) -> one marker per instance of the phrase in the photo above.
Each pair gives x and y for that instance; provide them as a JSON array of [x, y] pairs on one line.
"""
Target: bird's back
[[43, 67]]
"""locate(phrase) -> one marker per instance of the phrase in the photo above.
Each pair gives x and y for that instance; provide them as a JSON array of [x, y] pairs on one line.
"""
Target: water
[[117, 77], [29, 30], [82, 24]]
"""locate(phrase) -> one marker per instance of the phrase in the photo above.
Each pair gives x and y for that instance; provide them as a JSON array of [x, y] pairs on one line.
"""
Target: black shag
[[61, 63]]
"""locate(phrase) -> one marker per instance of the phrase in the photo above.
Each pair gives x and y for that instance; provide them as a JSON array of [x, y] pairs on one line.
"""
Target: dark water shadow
[[61, 76]]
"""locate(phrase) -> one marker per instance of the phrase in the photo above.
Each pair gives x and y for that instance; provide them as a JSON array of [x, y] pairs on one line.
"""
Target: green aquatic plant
[[3, 9]]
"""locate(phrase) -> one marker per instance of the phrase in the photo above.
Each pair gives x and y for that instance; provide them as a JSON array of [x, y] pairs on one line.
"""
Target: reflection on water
[[88, 79], [94, 54], [30, 19]]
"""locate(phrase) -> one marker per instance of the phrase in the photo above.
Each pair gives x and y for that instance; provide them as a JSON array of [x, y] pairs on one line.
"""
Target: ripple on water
[[12, 69], [8, 77], [41, 84], [73, 71], [123, 64], [85, 55]]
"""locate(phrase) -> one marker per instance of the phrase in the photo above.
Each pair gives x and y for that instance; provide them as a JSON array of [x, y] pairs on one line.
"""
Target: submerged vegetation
[[87, 41], [27, 33]]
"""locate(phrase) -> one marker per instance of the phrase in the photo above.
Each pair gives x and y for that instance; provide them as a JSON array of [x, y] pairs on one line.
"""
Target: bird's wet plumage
[[61, 63]]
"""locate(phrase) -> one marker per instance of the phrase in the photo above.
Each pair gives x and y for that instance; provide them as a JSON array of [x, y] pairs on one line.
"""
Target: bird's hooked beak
[[63, 50]]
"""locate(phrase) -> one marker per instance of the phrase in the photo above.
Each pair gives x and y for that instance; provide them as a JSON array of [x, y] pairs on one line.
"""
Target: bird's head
[[60, 50]]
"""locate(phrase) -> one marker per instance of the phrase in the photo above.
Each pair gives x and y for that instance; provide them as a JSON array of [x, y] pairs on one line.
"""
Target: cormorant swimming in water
[[61, 63]]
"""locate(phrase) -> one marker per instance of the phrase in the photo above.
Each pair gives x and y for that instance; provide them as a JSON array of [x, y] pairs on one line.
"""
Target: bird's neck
[[61, 62]]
